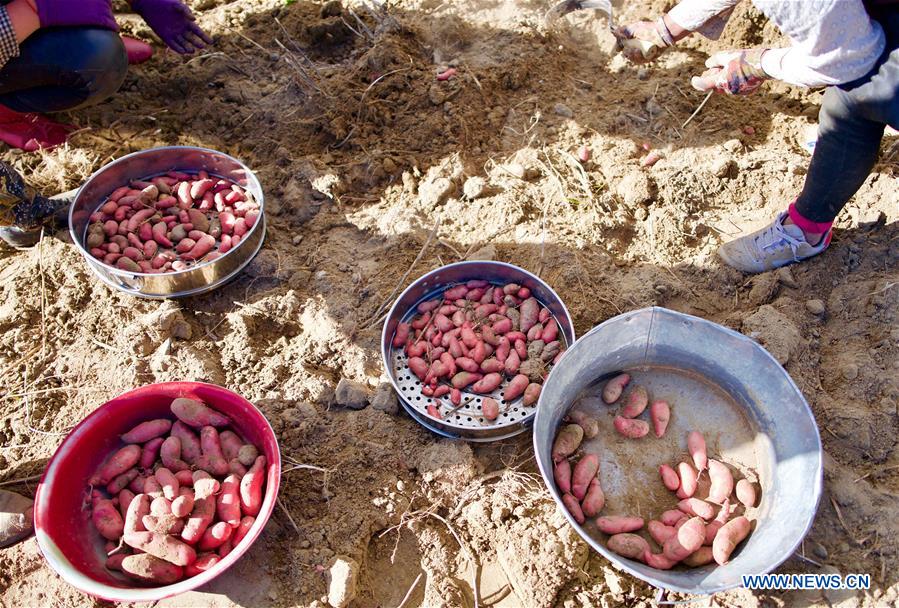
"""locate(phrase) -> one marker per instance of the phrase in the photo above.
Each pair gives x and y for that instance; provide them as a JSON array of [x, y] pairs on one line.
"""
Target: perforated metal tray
[[465, 421]]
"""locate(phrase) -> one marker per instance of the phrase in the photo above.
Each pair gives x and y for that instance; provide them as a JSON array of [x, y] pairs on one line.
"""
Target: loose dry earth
[[362, 153]]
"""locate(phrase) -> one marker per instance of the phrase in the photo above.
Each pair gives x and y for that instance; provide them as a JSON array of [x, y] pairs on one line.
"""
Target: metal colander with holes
[[465, 421]]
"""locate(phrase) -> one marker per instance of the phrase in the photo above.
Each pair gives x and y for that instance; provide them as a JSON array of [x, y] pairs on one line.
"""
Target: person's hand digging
[[732, 72], [641, 42], [174, 23]]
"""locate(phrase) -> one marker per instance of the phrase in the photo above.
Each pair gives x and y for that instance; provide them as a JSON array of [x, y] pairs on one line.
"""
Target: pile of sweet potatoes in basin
[[179, 496], [477, 337], [704, 526], [170, 222]]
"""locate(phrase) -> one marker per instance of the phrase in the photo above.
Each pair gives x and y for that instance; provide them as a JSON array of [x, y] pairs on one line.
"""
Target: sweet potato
[[567, 441], [713, 526], [137, 484], [251, 488], [659, 531], [185, 478], [616, 524], [515, 388], [696, 507], [490, 408], [658, 561], [230, 444], [700, 557], [697, 449], [628, 545], [688, 480], [150, 452], [746, 493], [574, 507], [595, 499], [204, 485], [145, 431], [196, 414], [160, 506], [672, 517], [487, 384], [117, 464], [107, 519], [247, 454], [562, 475], [584, 472], [614, 387], [635, 403], [204, 562], [162, 546], [401, 335], [630, 428], [152, 487], [170, 453], [531, 394], [114, 562], [122, 481], [184, 503], [151, 569], [463, 379], [688, 539], [214, 536], [169, 483], [722, 481], [729, 536], [530, 311], [586, 422], [212, 460], [669, 477], [125, 497], [190, 443], [512, 363], [200, 518], [660, 414], [163, 524], [418, 366], [242, 529]]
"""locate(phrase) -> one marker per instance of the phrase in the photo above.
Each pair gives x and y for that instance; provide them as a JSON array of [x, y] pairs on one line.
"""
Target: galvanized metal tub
[[194, 280], [663, 345]]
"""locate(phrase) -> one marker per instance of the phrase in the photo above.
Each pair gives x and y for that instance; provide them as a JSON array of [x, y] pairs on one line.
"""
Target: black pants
[[63, 69], [850, 128]]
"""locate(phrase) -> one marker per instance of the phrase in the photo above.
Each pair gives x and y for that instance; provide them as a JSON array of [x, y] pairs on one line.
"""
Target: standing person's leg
[[57, 69], [852, 121]]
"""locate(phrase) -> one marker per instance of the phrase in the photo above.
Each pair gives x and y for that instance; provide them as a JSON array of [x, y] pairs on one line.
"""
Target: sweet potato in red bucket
[[71, 549]]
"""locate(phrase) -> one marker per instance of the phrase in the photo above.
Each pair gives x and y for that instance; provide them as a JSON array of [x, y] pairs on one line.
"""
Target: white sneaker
[[771, 247]]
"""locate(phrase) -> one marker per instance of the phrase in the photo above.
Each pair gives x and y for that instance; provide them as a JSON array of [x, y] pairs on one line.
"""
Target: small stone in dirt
[[516, 169], [487, 253], [434, 192], [723, 167], [816, 307], [642, 74], [785, 276], [733, 145], [351, 394], [388, 165], [850, 371], [385, 399], [181, 330], [562, 110], [819, 550], [342, 588], [331, 9], [474, 187], [635, 188]]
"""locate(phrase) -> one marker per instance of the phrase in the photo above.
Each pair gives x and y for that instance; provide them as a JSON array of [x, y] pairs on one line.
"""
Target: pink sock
[[807, 225]]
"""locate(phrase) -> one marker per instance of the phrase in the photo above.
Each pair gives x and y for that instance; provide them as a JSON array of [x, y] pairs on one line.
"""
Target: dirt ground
[[362, 152]]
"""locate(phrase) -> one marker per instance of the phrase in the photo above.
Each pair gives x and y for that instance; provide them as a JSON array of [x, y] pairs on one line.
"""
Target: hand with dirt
[[640, 42], [732, 72], [174, 23]]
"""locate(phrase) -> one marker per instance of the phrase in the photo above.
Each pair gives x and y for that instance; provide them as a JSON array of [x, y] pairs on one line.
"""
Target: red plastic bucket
[[65, 535]]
